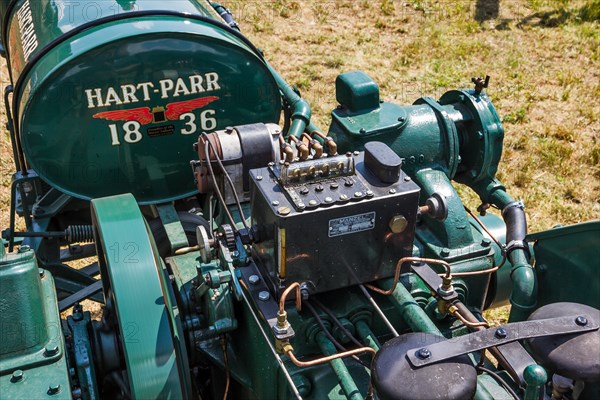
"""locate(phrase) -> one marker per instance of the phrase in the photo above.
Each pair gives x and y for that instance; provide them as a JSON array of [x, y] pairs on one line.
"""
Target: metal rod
[[411, 312], [365, 333], [379, 311], [279, 360], [328, 358], [346, 381]]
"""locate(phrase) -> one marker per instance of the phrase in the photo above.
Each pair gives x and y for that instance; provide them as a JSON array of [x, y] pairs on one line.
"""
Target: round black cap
[[394, 378], [576, 356]]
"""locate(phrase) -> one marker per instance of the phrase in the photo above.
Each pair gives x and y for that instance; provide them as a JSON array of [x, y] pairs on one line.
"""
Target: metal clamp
[[445, 349]]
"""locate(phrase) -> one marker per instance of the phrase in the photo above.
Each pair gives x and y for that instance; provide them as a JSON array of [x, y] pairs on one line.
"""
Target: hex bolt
[[54, 388], [581, 320], [445, 252], [485, 242], [264, 295], [424, 353], [51, 350], [501, 333], [254, 279], [17, 376]]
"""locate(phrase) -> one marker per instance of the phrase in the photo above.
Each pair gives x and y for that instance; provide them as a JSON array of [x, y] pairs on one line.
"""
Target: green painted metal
[[565, 258], [32, 351], [91, 133], [364, 332], [170, 220], [535, 377], [128, 261], [357, 92], [346, 380], [83, 354], [410, 311]]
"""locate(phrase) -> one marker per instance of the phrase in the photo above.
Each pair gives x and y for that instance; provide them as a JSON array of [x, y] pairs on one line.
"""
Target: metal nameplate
[[480, 340], [351, 224]]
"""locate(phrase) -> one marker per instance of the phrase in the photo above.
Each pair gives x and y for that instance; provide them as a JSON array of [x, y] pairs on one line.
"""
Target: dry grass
[[543, 56]]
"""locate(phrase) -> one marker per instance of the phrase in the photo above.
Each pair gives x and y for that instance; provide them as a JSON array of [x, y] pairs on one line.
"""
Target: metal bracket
[[433, 281], [445, 349]]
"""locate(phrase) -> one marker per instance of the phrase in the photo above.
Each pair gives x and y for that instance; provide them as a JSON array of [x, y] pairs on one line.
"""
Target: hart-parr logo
[[135, 118]]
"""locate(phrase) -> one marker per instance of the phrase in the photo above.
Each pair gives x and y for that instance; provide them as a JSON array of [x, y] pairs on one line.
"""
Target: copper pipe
[[328, 141], [302, 147], [397, 274], [472, 273], [468, 323], [290, 354], [318, 148], [285, 293]]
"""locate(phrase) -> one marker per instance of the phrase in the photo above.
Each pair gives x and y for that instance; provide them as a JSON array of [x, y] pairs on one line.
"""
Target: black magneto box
[[333, 222]]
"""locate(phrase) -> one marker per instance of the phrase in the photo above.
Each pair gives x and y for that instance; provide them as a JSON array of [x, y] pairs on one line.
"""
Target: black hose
[[337, 322], [516, 222], [330, 336]]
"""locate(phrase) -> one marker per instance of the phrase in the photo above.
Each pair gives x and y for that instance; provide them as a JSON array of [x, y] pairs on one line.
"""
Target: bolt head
[[485, 242], [328, 200], [312, 203], [392, 191], [445, 252], [501, 333], [259, 177], [424, 353], [398, 223], [275, 203], [581, 320], [254, 279], [54, 388], [343, 197], [24, 248], [51, 350], [283, 210], [17, 376], [264, 295]]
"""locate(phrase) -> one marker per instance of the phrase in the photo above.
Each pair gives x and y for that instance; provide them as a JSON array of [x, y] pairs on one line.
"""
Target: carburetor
[[333, 222]]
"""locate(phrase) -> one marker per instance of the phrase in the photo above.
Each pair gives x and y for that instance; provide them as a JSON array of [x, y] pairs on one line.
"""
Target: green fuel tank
[[109, 97]]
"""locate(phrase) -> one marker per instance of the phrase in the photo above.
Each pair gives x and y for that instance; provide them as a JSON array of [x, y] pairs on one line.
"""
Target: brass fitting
[[283, 346]]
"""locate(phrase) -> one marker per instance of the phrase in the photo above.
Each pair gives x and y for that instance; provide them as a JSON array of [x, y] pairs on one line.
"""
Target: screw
[[334, 185], [304, 191], [392, 191], [54, 388], [271, 164], [319, 188], [312, 203], [356, 153], [407, 179], [259, 177], [486, 242], [501, 333], [284, 210], [264, 295], [51, 350], [363, 130], [275, 203], [254, 279], [41, 272], [229, 129], [401, 119], [424, 353], [17, 376], [369, 193], [581, 321], [343, 197], [358, 194], [445, 252], [328, 200]]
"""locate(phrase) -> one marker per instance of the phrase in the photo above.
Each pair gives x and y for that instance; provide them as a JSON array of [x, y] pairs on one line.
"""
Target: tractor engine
[[239, 251]]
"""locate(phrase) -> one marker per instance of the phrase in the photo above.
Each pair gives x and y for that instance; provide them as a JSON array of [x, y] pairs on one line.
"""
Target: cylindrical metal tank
[[111, 95]]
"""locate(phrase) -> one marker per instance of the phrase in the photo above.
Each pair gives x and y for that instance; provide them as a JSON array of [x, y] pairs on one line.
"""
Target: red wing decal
[[141, 115], [174, 110]]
